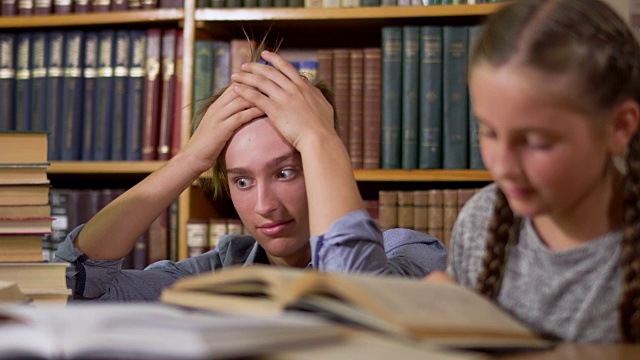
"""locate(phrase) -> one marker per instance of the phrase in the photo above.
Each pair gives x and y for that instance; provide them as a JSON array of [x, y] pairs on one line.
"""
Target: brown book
[[341, 91], [450, 213], [355, 107], [197, 237], [438, 311], [235, 226], [388, 209], [100, 6], [24, 194], [176, 117], [240, 53], [82, 7], [168, 69], [372, 112], [217, 228], [42, 7], [421, 210], [37, 280], [20, 248], [23, 174], [23, 147], [325, 66], [463, 196], [9, 7], [25, 211], [435, 215], [152, 97], [25, 225], [405, 209], [25, 7]]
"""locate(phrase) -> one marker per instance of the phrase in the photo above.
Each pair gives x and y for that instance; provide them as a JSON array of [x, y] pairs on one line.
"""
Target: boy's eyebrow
[[272, 163]]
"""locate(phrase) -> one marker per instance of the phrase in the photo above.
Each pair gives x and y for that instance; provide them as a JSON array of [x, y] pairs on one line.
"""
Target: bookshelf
[[299, 27]]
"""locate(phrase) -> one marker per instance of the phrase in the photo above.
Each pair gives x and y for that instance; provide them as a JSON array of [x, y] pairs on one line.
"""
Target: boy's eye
[[285, 173]]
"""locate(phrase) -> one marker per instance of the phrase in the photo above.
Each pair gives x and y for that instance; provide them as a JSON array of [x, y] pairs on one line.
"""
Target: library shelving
[[298, 27]]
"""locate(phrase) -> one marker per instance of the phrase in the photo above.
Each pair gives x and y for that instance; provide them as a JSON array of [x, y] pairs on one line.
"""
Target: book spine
[[176, 113], [388, 209], [420, 210], [90, 75], [449, 214], [23, 83], [25, 7], [42, 7], [410, 89], [134, 4], [120, 76], [430, 145], [82, 6], [55, 72], [104, 96], [168, 59], [371, 112], [152, 95], [475, 157], [61, 6], [149, 4], [391, 100], [202, 72], [135, 95], [39, 82], [405, 209], [221, 64], [7, 81], [435, 217], [356, 83], [71, 101], [118, 5], [9, 8], [341, 91], [454, 100], [325, 66], [100, 6]]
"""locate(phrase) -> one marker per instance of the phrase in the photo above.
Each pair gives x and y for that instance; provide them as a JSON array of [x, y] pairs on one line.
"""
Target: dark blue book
[[89, 75], [119, 97], [39, 81], [455, 137], [55, 59], [135, 96], [72, 91], [7, 81], [23, 82], [104, 96], [410, 91], [475, 158], [430, 134], [391, 100]]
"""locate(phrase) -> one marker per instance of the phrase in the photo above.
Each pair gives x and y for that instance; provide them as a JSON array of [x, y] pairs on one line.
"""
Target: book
[[135, 95], [22, 121], [25, 211], [38, 81], [10, 293], [410, 92], [391, 97], [18, 147], [356, 100], [340, 80], [101, 139], [388, 209], [203, 64], [371, 112], [55, 72], [19, 248], [168, 78], [176, 113], [39, 225], [152, 95], [72, 110], [435, 311], [151, 331], [120, 98], [23, 173], [24, 194], [430, 119], [7, 79], [36, 279], [90, 76]]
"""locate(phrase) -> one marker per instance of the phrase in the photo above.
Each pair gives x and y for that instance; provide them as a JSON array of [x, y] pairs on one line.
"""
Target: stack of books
[[25, 218]]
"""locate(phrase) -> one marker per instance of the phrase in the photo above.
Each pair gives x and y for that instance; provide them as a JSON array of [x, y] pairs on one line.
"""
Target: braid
[[496, 249], [630, 258]]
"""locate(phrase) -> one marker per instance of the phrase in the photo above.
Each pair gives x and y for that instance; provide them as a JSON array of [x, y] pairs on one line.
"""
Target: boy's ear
[[625, 122]]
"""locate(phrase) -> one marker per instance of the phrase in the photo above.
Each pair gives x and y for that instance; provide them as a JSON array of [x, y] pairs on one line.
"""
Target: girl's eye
[[485, 132], [242, 183], [285, 174]]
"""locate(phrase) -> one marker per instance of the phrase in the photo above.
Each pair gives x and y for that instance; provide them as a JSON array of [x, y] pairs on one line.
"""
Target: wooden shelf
[[422, 175], [92, 19], [336, 14], [104, 167]]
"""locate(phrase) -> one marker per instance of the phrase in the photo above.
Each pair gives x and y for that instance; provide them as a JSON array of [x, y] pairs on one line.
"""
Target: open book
[[150, 331], [440, 312]]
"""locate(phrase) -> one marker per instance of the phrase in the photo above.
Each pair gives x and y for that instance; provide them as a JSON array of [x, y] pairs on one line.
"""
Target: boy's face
[[267, 187]]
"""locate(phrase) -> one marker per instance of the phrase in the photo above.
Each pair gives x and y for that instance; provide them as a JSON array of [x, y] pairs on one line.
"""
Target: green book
[[391, 101], [202, 72], [455, 134], [410, 90], [475, 158], [430, 123]]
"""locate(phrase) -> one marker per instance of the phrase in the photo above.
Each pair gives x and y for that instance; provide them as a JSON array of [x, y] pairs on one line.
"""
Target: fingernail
[[265, 52], [243, 66], [234, 75]]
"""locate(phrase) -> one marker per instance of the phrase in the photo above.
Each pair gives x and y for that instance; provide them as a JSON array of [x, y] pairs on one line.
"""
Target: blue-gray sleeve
[[105, 280], [355, 243]]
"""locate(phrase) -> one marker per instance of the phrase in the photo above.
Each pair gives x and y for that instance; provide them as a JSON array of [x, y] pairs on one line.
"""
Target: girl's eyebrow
[[271, 163]]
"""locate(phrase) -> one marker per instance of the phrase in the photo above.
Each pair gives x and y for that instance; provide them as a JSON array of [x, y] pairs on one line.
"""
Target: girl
[[556, 89], [309, 216]]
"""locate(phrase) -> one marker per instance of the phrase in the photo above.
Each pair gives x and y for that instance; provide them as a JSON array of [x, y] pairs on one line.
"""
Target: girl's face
[[267, 188], [546, 156]]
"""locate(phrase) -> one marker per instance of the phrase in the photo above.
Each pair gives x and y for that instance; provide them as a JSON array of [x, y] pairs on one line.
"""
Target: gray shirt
[[353, 243], [569, 294]]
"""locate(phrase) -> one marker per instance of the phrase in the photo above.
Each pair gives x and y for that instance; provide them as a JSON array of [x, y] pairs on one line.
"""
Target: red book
[[152, 90], [372, 112], [341, 91], [176, 131], [168, 87], [325, 66], [9, 7]]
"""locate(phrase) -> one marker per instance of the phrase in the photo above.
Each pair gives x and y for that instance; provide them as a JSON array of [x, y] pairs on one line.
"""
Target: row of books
[[329, 3], [61, 7], [101, 95], [204, 234], [73, 207], [25, 219]]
